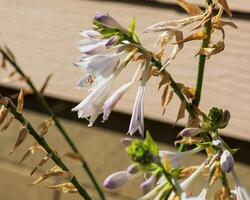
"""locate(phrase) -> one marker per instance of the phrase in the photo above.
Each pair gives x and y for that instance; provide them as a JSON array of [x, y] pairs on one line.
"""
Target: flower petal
[[226, 161], [116, 180]]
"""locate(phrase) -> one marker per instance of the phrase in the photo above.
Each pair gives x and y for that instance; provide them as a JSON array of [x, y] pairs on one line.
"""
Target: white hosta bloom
[[137, 119], [94, 46], [201, 196], [91, 107], [240, 192], [153, 193], [91, 34], [102, 65], [115, 98], [175, 159]]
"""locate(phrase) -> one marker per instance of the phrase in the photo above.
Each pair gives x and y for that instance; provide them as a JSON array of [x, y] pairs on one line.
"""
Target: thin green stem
[[19, 117], [50, 112]]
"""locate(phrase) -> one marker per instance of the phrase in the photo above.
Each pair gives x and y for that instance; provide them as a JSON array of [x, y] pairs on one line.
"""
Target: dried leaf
[[41, 163], [32, 150], [222, 194], [215, 49], [55, 171], [189, 140], [165, 79], [64, 187], [20, 102], [43, 128], [216, 173], [205, 19], [74, 156], [194, 36], [45, 84], [21, 137], [191, 9], [169, 98], [225, 6], [7, 124], [181, 112], [178, 46], [193, 121], [3, 113], [186, 172], [164, 95]]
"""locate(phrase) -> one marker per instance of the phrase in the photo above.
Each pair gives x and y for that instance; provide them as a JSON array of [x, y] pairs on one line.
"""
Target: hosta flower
[[149, 184], [190, 132], [175, 159], [93, 46], [226, 161], [137, 119], [120, 178], [157, 192], [108, 21], [239, 191], [91, 107]]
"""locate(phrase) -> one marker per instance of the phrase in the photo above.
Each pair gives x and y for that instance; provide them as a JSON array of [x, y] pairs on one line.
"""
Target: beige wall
[[42, 34]]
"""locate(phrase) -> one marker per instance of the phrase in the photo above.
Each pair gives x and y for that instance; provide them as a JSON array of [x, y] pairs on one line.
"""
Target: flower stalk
[[40, 139], [61, 129]]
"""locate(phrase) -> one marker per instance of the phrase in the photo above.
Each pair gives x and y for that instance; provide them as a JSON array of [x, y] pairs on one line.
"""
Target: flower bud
[[139, 152], [217, 143], [126, 141], [226, 161], [107, 20], [226, 118], [133, 169], [190, 132], [149, 184], [116, 180]]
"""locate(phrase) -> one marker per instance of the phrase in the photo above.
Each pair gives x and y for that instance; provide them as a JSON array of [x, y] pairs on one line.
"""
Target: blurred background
[[42, 36]]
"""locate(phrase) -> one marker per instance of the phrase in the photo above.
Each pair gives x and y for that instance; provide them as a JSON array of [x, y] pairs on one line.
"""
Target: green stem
[[50, 112], [44, 144]]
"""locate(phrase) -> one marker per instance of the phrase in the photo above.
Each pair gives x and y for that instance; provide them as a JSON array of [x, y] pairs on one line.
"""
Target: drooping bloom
[[190, 132], [175, 159], [239, 191], [137, 119]]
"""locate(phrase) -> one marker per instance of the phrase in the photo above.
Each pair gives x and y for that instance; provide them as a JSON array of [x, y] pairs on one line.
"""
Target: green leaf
[[132, 26], [152, 146]]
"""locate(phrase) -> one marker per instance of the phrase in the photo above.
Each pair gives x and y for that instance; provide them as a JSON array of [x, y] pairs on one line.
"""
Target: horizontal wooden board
[[43, 34], [235, 5]]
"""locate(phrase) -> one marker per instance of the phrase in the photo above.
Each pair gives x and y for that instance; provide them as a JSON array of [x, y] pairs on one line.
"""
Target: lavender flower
[[226, 161], [240, 192]]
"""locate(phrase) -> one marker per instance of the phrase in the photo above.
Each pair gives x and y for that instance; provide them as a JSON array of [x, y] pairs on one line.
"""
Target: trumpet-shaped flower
[[92, 105], [94, 46], [175, 159], [240, 192]]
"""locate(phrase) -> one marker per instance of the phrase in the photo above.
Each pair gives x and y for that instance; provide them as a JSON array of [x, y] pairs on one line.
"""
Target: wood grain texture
[[235, 5], [42, 34]]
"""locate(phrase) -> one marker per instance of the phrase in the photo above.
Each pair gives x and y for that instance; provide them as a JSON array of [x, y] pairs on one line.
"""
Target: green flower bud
[[139, 152], [216, 115]]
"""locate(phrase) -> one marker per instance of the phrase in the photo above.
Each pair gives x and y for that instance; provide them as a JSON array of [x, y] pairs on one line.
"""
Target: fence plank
[[42, 35]]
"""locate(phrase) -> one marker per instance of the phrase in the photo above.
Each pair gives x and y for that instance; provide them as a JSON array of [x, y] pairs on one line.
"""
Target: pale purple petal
[[91, 34], [226, 161], [190, 132], [149, 184], [100, 64], [137, 119], [107, 20], [113, 100], [116, 180], [126, 141]]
